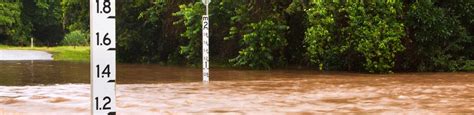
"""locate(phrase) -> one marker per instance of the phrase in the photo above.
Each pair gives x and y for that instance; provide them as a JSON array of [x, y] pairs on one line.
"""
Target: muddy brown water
[[32, 87]]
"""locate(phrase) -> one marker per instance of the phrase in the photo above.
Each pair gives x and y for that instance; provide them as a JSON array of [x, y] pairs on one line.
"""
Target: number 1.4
[[105, 71]]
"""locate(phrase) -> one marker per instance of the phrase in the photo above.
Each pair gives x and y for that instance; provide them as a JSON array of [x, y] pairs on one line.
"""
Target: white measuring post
[[205, 43], [102, 43]]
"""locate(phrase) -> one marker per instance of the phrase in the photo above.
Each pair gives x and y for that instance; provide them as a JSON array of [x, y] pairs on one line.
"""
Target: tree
[[12, 29], [147, 34], [377, 31], [438, 41], [75, 14], [44, 19], [190, 16], [260, 27], [324, 41], [369, 36]]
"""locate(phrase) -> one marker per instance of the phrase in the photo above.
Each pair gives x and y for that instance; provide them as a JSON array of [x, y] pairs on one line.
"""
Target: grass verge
[[60, 53]]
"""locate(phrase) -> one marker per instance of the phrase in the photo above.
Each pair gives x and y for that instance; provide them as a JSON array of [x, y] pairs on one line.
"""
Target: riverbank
[[60, 53], [82, 53]]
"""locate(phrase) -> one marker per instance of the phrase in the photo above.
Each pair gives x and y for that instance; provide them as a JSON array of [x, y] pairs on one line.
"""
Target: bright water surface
[[32, 87]]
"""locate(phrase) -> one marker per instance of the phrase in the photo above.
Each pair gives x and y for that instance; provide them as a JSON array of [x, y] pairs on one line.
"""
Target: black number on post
[[96, 103], [206, 25], [206, 22], [106, 9], [105, 41], [97, 2], [105, 71], [107, 102], [98, 69], [97, 34]]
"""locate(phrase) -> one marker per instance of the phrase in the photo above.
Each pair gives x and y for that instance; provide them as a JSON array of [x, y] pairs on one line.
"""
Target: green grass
[[60, 53]]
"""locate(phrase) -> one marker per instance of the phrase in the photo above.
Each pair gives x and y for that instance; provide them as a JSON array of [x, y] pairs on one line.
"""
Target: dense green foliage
[[371, 36], [44, 20], [146, 33], [11, 26], [190, 15], [437, 38], [377, 32], [137, 40], [261, 42], [258, 39], [325, 45], [261, 37], [75, 38], [75, 15]]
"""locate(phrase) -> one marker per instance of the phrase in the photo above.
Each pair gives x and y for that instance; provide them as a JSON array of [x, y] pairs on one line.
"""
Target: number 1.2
[[105, 104]]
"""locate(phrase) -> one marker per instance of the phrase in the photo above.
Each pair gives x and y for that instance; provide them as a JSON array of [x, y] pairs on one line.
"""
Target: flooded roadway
[[61, 87], [24, 55]]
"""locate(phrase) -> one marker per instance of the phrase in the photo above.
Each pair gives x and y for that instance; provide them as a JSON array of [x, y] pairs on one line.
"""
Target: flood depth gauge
[[102, 43], [205, 43]]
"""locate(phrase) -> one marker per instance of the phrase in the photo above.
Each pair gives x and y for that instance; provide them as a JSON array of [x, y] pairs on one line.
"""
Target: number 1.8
[[106, 9]]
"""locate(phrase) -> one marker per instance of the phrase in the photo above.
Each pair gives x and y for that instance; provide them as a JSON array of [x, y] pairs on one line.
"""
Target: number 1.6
[[105, 41]]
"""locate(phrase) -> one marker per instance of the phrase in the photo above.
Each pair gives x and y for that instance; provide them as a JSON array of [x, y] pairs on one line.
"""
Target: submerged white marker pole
[[205, 43], [102, 43]]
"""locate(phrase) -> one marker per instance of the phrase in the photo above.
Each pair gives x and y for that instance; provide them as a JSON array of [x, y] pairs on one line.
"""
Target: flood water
[[32, 87]]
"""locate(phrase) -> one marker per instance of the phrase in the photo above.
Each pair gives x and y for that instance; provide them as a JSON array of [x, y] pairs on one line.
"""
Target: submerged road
[[25, 55]]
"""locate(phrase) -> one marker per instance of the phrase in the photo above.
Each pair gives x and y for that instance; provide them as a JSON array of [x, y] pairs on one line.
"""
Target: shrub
[[262, 40], [190, 16], [369, 36], [75, 38], [377, 33], [323, 41], [12, 29], [437, 40]]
